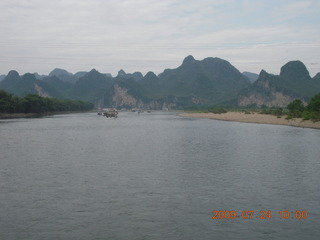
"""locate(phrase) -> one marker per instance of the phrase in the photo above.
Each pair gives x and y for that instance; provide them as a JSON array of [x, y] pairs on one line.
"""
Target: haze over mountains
[[195, 83]]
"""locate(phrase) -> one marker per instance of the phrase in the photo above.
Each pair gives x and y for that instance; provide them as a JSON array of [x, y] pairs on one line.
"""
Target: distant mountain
[[251, 76], [193, 84], [2, 77], [153, 85], [316, 77], [294, 82], [26, 84], [92, 87], [38, 76], [109, 75], [64, 75], [10, 80], [83, 73], [80, 74], [210, 81], [137, 76], [57, 87]]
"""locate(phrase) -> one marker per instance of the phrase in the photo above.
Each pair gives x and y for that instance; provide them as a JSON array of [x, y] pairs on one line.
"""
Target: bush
[[314, 104], [296, 108]]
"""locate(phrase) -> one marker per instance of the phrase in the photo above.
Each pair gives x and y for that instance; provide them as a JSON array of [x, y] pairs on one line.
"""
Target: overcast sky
[[152, 35]]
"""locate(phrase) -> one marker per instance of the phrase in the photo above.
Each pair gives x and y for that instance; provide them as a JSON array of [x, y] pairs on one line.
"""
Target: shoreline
[[37, 115], [255, 118], [19, 115]]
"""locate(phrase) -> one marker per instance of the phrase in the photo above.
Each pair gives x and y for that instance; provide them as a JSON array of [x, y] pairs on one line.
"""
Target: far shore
[[255, 118], [37, 115], [19, 115]]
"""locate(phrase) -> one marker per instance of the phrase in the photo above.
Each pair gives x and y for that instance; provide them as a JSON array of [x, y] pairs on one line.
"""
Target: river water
[[156, 176]]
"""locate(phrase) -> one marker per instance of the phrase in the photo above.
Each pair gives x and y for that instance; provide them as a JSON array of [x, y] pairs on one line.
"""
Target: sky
[[153, 35]]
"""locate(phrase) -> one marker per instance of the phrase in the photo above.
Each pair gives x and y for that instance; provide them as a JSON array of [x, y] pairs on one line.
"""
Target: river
[[157, 176]]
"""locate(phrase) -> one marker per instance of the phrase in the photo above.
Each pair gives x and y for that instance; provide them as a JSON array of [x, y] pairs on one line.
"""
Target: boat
[[111, 113]]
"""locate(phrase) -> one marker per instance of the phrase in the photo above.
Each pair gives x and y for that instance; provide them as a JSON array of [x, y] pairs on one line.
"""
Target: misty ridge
[[194, 84]]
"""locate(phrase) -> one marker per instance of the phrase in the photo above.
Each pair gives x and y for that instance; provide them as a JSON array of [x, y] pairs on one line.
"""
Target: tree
[[296, 108], [314, 104], [6, 102], [33, 103]]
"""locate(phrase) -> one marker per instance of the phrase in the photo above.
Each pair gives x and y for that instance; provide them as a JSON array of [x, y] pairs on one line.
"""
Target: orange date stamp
[[263, 214]]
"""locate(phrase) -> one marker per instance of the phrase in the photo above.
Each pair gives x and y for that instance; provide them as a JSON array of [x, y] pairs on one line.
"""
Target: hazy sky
[[152, 35]]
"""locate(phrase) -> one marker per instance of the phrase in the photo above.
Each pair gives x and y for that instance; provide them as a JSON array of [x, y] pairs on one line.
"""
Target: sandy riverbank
[[254, 118]]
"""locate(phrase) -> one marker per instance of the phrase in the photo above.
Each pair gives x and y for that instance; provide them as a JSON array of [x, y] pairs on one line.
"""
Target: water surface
[[155, 176]]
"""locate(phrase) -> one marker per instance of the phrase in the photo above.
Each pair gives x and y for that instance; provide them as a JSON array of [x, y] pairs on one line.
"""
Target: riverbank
[[255, 118]]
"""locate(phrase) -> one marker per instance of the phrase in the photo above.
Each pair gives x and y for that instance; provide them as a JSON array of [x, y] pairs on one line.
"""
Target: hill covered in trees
[[294, 82], [194, 84], [33, 103]]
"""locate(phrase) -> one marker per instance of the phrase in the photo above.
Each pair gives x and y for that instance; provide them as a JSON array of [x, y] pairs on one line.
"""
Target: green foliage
[[314, 104], [33, 103], [296, 105], [298, 110], [307, 115]]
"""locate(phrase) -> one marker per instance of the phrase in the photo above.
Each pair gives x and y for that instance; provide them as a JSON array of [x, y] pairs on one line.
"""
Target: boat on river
[[111, 113]]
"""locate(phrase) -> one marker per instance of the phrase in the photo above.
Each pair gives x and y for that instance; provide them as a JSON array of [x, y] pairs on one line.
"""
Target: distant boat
[[111, 113]]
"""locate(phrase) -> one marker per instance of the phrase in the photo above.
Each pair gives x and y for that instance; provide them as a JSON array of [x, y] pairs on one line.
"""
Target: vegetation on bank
[[295, 109], [33, 103], [311, 111]]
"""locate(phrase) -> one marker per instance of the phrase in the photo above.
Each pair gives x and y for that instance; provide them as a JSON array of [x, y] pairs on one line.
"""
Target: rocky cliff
[[294, 82], [120, 97]]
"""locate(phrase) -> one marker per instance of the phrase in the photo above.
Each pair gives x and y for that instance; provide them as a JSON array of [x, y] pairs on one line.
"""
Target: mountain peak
[[263, 73], [317, 77], [12, 78], [189, 59], [29, 76], [59, 72], [13, 74], [137, 76], [150, 76], [295, 69], [93, 73], [121, 73]]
